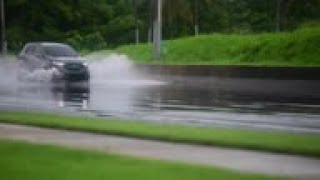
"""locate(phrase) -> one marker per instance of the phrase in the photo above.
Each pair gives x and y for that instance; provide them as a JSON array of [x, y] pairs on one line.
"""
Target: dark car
[[61, 59]]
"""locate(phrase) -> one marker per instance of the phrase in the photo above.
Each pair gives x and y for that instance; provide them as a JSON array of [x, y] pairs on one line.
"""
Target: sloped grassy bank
[[297, 48], [290, 143]]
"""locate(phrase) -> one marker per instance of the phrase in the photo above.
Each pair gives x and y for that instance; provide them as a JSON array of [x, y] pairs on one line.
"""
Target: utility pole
[[196, 17], [157, 30], [278, 16], [3, 28], [137, 33], [150, 26]]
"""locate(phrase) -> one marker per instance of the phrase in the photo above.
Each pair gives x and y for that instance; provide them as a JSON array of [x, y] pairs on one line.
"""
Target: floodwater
[[118, 90]]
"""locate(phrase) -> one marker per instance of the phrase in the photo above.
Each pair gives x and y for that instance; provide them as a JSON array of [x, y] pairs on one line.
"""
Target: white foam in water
[[40, 75], [117, 69], [11, 75]]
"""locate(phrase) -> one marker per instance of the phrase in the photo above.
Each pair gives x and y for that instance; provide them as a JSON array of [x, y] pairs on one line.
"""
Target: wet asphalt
[[118, 90]]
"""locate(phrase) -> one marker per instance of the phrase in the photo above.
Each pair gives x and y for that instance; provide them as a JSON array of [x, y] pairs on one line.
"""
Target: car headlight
[[57, 63], [85, 64]]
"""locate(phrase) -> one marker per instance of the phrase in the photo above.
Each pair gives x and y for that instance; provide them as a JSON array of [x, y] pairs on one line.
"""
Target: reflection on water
[[253, 98], [76, 95], [45, 96]]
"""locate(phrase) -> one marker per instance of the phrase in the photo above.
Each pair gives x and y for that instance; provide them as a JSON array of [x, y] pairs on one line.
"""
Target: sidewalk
[[239, 160]]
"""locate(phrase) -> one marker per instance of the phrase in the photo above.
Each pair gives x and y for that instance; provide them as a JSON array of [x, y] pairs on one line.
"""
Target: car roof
[[47, 44], [27, 45]]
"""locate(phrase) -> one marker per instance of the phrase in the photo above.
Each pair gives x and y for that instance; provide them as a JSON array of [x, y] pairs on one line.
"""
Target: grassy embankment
[[302, 144], [298, 48], [32, 162]]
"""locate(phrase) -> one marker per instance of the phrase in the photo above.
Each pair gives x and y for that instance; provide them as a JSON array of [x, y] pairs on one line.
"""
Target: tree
[[116, 21]]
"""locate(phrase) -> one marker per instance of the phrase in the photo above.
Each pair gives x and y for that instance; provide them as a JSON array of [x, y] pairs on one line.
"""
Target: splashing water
[[8, 72], [40, 75], [118, 70], [112, 69], [12, 74], [115, 67]]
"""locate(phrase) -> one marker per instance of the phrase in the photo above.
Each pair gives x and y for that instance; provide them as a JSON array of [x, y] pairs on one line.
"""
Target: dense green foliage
[[92, 25], [302, 144], [298, 48], [37, 162]]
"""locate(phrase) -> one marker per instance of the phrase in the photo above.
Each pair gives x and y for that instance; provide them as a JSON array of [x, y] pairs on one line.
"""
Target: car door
[[26, 56], [40, 58]]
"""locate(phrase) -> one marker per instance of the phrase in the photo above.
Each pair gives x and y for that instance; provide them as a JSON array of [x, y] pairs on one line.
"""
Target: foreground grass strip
[[32, 162], [290, 143]]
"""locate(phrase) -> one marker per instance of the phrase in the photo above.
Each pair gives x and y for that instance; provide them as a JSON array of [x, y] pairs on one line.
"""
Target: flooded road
[[118, 90]]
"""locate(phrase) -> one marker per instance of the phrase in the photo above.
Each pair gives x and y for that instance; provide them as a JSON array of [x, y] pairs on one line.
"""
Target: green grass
[[298, 48], [38, 162], [290, 143]]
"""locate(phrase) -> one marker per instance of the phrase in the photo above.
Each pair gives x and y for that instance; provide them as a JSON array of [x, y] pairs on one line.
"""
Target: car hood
[[67, 59]]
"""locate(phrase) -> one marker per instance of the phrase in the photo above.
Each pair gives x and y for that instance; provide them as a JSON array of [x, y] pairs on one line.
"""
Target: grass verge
[[298, 48], [32, 162], [290, 143]]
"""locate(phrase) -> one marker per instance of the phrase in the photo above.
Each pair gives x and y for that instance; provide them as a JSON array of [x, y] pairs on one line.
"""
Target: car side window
[[37, 50], [30, 49]]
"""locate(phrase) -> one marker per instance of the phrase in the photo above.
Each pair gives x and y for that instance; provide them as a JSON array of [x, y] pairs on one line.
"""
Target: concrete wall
[[293, 73]]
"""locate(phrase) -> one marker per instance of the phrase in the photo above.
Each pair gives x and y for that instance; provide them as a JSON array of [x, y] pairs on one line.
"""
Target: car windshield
[[59, 50]]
